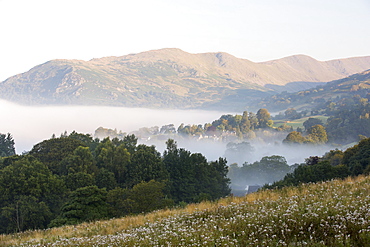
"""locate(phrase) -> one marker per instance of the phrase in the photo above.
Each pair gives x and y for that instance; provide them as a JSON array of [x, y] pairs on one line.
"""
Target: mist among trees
[[77, 177]]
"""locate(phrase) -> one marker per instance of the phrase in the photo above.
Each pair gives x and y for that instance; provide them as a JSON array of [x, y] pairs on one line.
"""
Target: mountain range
[[172, 78]]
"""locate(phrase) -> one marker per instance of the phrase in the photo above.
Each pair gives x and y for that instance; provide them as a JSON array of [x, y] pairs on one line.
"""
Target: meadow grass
[[298, 122], [334, 213]]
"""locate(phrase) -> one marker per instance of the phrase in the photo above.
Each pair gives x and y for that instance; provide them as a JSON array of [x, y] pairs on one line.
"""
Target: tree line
[[348, 121], [334, 164], [227, 128], [75, 178]]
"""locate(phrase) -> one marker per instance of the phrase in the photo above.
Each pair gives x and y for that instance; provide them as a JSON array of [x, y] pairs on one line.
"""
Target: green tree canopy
[[106, 179], [321, 171], [114, 158], [357, 158], [6, 145], [119, 202], [81, 160], [219, 181], [84, 204], [130, 142], [25, 212], [310, 122], [30, 195], [87, 139], [192, 177], [51, 152], [78, 180], [149, 196], [28, 176], [294, 137], [317, 133], [146, 164]]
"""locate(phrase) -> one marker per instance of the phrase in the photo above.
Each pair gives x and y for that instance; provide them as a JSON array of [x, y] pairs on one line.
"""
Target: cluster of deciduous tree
[[240, 124], [334, 164], [346, 124], [227, 128], [74, 178], [313, 134], [349, 121]]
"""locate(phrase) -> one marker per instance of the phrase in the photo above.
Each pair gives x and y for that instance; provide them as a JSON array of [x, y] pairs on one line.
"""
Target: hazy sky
[[33, 32]]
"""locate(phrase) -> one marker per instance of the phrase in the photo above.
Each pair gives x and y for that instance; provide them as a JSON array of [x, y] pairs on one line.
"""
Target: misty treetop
[[75, 178], [266, 171], [274, 172], [239, 126], [314, 135], [334, 164], [334, 123], [191, 174]]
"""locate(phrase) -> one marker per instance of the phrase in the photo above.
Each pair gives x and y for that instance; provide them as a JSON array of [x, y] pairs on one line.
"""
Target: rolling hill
[[170, 78], [354, 85]]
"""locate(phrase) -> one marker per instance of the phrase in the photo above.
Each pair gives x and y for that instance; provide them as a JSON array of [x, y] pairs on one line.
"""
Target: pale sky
[[35, 31]]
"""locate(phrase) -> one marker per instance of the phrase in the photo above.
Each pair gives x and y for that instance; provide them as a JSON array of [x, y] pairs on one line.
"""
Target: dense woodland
[[74, 178]]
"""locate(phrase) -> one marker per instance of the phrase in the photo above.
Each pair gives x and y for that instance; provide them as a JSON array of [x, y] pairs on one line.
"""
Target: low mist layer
[[30, 125], [214, 150]]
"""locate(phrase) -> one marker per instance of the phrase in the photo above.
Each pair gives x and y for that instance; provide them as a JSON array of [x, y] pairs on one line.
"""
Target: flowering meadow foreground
[[334, 213]]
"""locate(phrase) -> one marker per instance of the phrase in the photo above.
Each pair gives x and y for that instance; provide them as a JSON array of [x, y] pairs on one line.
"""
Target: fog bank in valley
[[32, 124], [213, 150]]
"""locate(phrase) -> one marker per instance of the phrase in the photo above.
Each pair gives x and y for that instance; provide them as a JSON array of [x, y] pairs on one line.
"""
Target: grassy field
[[298, 122], [334, 213]]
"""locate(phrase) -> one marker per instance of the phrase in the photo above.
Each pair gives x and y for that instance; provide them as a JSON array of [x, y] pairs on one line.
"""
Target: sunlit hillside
[[356, 85], [170, 78], [334, 213]]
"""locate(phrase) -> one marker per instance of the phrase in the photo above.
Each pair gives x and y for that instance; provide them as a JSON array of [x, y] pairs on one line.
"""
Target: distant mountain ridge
[[169, 78]]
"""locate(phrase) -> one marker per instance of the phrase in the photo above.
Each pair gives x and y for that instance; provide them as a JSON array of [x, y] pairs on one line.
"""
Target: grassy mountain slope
[[168, 78], [357, 84], [334, 213]]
